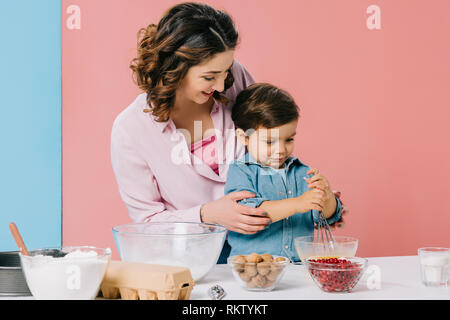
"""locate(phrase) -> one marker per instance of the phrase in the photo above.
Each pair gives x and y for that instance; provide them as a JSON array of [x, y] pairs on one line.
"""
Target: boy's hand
[[318, 181], [313, 199]]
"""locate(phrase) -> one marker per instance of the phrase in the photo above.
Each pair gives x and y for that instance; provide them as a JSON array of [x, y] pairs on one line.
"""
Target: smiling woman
[[193, 97], [185, 66], [185, 37]]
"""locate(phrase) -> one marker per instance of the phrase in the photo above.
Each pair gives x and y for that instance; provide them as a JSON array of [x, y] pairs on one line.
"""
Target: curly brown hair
[[187, 35]]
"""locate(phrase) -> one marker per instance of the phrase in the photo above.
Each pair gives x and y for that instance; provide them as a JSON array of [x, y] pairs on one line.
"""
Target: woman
[[171, 147]]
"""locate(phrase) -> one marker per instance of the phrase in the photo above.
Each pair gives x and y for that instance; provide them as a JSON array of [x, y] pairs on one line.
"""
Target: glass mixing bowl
[[196, 246], [332, 275], [308, 246], [258, 276]]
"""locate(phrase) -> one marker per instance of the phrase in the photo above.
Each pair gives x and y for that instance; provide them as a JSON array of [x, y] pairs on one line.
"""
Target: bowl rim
[[285, 262], [338, 238], [220, 228], [106, 251], [427, 250], [360, 264]]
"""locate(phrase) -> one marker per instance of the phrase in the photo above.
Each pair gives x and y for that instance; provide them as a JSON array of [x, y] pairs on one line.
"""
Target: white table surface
[[399, 280]]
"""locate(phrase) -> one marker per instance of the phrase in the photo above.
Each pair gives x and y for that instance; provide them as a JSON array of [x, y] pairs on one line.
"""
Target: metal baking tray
[[12, 279]]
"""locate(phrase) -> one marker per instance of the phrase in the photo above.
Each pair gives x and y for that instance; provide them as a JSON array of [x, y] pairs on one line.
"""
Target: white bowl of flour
[[75, 276]]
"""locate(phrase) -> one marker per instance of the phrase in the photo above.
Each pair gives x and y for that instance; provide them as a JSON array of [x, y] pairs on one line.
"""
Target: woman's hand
[[233, 216], [313, 199]]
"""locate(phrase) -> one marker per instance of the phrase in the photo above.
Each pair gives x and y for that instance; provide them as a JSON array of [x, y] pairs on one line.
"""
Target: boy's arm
[[280, 209], [330, 206], [240, 179], [331, 216]]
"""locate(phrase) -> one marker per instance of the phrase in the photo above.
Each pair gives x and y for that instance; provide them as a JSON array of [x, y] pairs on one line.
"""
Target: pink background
[[374, 106]]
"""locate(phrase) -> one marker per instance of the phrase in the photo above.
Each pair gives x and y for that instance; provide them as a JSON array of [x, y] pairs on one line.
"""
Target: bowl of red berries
[[336, 274]]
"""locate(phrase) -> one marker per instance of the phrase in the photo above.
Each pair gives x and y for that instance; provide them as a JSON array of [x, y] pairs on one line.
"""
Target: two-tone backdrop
[[372, 79]]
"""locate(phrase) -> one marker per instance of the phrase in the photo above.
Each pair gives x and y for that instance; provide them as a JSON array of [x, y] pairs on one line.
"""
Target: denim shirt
[[245, 174]]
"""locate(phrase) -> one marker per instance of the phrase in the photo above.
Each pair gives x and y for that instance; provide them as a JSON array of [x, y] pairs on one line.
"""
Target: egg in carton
[[143, 281]]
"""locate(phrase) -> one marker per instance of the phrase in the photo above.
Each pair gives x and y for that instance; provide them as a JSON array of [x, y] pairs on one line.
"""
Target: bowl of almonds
[[258, 272]]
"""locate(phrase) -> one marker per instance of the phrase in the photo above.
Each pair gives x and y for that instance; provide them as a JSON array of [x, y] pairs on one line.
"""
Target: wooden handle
[[18, 238]]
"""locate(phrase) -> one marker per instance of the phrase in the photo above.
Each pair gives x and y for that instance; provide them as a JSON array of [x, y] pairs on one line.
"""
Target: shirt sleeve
[[138, 186], [334, 218], [239, 179]]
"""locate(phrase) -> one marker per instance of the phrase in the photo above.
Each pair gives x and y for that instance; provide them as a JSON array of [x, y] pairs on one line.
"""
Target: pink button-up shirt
[[159, 179]]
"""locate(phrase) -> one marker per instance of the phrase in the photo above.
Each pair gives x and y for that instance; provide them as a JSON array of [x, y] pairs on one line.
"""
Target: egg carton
[[143, 281]]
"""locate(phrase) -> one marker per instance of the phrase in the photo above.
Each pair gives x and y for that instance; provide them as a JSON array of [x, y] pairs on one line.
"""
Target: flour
[[77, 275]]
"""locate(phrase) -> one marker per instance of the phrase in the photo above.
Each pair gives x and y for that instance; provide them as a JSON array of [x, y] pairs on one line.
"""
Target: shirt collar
[[162, 125], [248, 159], [215, 107]]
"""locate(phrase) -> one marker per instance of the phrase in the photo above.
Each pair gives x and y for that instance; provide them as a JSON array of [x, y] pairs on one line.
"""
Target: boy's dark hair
[[263, 105]]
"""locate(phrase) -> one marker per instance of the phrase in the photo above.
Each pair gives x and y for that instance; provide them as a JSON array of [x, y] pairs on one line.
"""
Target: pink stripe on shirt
[[206, 150]]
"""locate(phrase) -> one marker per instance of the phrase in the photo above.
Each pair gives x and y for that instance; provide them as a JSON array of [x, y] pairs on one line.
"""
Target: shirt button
[[286, 247], [290, 191]]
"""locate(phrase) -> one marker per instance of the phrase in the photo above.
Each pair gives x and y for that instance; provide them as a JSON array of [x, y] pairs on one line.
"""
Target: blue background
[[30, 125]]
